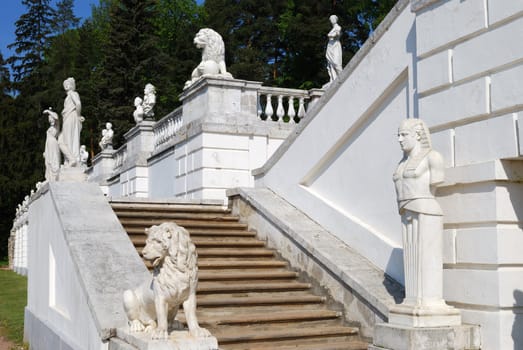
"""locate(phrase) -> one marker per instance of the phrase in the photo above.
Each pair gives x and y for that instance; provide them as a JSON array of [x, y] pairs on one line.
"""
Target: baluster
[[301, 108], [291, 112], [280, 112], [268, 107], [259, 109]]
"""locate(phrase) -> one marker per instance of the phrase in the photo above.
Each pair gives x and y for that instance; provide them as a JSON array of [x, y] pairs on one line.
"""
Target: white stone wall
[[208, 164], [55, 296], [458, 65], [469, 80]]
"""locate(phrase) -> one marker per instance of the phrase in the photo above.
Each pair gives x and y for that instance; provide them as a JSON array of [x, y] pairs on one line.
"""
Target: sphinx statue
[[213, 56], [418, 173]]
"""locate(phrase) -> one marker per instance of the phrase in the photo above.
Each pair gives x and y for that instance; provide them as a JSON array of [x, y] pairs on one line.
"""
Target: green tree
[[33, 29], [131, 59], [64, 18]]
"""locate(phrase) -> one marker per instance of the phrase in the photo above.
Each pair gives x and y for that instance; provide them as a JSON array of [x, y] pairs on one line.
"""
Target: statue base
[[440, 315], [74, 174], [178, 340], [396, 337]]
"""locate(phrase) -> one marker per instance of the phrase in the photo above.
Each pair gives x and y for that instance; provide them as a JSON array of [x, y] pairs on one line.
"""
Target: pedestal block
[[74, 174], [178, 340], [395, 337]]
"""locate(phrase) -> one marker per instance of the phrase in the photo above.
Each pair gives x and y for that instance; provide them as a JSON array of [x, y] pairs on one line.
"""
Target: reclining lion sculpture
[[173, 283], [213, 56]]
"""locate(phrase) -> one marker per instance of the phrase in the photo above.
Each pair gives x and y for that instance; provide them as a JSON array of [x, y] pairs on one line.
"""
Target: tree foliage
[[125, 44]]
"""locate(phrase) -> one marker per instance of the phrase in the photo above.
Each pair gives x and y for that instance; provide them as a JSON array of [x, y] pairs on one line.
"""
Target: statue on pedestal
[[52, 149], [213, 56], [138, 112], [149, 100], [418, 173], [334, 52], [152, 307], [107, 136], [69, 138], [84, 156]]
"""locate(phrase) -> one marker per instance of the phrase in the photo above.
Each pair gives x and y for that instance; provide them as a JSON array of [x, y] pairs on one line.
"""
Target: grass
[[13, 298]]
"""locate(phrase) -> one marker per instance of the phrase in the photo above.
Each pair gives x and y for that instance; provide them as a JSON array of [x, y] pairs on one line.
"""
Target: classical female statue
[[69, 138], [333, 54], [52, 149], [416, 177]]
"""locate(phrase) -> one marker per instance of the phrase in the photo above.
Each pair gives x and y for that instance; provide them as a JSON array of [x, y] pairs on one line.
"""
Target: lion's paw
[[200, 332], [160, 334], [136, 326]]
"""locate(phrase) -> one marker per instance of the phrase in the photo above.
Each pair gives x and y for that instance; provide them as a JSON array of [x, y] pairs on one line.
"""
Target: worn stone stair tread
[[306, 344], [210, 242], [238, 334], [237, 275], [188, 224], [213, 319], [210, 264], [144, 206], [176, 215], [251, 252], [259, 298], [219, 287], [211, 232]]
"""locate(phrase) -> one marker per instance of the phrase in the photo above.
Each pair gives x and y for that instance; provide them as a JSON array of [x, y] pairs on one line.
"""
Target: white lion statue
[[213, 56], [173, 283]]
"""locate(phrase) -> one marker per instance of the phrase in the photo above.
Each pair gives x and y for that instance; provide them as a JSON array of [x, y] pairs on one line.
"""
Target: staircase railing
[[167, 127]]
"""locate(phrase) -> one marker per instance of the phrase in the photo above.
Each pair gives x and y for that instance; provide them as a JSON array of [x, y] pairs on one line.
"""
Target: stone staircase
[[247, 297]]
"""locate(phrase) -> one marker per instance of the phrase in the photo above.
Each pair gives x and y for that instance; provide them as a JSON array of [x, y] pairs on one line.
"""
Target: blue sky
[[13, 9]]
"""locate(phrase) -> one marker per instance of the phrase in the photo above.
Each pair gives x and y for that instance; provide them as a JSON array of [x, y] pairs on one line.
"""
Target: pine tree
[[33, 28], [132, 59], [64, 18]]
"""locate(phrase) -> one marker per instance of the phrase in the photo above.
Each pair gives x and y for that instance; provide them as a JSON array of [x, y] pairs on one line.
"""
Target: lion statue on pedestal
[[213, 56], [152, 307]]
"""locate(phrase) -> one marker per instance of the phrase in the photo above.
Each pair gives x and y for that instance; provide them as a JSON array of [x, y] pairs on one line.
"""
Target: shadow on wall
[[517, 327], [395, 288]]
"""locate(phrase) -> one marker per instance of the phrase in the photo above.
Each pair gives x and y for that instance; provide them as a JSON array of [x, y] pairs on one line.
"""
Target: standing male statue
[[418, 173]]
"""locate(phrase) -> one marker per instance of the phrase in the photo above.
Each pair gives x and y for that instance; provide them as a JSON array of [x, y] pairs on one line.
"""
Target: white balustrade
[[167, 127], [285, 107], [120, 157]]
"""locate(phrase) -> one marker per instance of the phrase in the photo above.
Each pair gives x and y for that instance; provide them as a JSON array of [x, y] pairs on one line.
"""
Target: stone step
[[285, 331], [205, 232], [250, 275], [247, 286], [231, 252], [210, 319], [139, 241], [169, 207], [187, 224], [214, 264], [124, 214], [307, 344], [251, 299]]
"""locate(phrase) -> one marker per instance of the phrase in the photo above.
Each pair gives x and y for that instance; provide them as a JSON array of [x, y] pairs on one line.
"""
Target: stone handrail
[[295, 105], [167, 127]]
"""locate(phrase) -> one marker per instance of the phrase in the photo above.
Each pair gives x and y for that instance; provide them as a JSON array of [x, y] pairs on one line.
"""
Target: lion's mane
[[213, 48]]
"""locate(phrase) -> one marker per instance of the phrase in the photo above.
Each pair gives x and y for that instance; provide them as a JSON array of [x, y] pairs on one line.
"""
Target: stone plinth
[[178, 340], [420, 316], [395, 337], [220, 100], [74, 174], [140, 141]]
